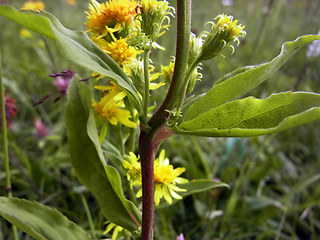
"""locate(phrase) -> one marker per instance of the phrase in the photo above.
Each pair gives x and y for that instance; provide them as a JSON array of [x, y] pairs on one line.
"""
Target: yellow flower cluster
[[165, 177], [110, 25], [111, 107], [114, 14]]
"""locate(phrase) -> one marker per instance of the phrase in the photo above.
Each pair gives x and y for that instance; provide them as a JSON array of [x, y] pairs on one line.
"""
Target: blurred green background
[[274, 180]]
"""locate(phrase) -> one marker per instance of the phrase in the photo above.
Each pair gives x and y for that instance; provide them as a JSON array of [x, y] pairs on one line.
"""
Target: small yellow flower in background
[[25, 33], [29, 5], [109, 14], [165, 177], [71, 2]]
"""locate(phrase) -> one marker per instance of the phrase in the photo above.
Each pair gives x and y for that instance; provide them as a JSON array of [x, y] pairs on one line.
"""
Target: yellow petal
[[166, 194], [139, 193]]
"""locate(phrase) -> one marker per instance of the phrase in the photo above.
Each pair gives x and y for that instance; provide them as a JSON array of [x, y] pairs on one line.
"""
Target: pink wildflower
[[62, 80], [11, 109], [41, 129], [180, 237]]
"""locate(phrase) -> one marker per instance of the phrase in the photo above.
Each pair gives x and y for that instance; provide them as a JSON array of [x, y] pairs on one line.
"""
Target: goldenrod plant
[[115, 130]]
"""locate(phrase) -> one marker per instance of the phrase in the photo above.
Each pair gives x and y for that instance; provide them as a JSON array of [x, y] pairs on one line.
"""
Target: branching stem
[[175, 92], [151, 137]]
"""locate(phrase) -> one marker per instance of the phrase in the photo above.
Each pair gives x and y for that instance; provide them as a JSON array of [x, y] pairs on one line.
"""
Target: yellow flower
[[221, 34], [165, 177], [116, 229], [113, 112], [24, 33], [71, 2], [110, 108], [112, 91], [29, 5], [167, 72], [110, 14], [153, 15], [227, 23], [120, 52], [133, 165]]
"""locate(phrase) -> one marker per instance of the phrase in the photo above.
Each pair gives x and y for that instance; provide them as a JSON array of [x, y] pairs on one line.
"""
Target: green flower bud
[[135, 71], [153, 14], [222, 33], [195, 47], [196, 76]]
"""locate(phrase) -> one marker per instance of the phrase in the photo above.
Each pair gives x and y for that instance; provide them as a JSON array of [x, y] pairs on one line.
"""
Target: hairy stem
[[191, 68], [146, 81], [175, 92]]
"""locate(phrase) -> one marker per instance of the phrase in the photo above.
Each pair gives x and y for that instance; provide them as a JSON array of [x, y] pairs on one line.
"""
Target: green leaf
[[261, 202], [76, 46], [88, 161], [28, 19], [39, 221], [237, 83], [195, 186], [200, 185], [112, 153], [252, 117]]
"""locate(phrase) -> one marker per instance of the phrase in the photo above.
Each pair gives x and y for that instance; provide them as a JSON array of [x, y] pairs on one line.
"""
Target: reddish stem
[[151, 136], [147, 159]]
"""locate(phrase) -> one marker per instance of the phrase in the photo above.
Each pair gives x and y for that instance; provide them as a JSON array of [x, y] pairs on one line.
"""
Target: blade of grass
[[5, 143]]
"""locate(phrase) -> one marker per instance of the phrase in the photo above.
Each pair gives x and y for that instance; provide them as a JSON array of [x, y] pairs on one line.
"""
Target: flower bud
[[196, 76], [195, 47], [153, 14], [221, 34], [136, 72]]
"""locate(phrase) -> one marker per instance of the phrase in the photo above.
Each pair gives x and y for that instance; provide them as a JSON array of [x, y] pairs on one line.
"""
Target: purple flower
[[62, 80], [180, 237], [41, 129], [11, 109]]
